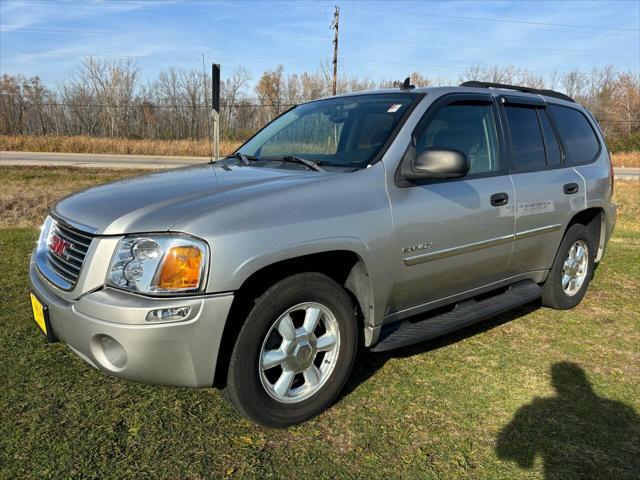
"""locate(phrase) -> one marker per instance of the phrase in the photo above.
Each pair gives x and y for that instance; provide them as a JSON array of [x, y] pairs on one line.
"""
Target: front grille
[[68, 260]]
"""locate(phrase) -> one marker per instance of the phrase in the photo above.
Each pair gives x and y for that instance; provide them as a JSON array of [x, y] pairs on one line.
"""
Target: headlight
[[159, 264]]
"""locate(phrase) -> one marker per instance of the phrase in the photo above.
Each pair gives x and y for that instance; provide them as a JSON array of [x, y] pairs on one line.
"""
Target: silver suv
[[377, 219]]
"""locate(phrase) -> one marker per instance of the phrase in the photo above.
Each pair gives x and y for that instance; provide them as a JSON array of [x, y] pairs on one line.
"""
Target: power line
[[53, 28], [528, 22], [48, 32], [482, 21], [194, 57]]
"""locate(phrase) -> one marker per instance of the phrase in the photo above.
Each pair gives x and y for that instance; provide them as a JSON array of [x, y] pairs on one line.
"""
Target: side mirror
[[437, 163]]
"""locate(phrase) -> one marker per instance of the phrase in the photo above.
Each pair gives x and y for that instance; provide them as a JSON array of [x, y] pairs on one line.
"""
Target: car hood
[[156, 202]]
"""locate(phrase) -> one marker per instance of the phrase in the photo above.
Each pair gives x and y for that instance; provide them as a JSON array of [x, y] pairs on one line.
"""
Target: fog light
[[108, 352], [168, 314]]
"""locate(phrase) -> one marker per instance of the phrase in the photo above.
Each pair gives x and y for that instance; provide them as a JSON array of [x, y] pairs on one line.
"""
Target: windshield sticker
[[394, 108]]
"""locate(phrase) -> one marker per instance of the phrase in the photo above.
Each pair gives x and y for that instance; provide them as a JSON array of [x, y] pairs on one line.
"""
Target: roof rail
[[539, 91]]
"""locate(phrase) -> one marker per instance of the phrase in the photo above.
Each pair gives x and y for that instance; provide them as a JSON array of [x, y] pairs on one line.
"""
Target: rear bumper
[[108, 329]]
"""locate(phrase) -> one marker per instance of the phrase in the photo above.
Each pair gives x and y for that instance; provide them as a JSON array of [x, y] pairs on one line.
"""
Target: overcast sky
[[377, 39]]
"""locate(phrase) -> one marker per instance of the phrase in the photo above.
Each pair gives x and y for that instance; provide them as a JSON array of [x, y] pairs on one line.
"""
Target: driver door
[[456, 235]]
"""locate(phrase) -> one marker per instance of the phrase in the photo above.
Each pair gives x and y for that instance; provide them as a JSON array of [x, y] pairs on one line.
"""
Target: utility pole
[[334, 26]]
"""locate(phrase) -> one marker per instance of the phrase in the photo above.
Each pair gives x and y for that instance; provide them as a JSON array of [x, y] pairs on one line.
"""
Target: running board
[[407, 332]]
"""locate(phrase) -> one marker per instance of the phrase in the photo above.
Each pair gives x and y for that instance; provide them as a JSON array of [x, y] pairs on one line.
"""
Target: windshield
[[340, 132]]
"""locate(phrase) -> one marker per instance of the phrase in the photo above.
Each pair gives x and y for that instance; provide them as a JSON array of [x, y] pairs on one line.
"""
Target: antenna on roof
[[406, 85]]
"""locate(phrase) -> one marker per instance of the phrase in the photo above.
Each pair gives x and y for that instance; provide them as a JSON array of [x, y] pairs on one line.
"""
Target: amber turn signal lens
[[180, 269]]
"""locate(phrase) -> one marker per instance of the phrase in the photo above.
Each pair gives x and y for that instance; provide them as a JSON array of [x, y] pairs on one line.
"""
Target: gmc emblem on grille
[[59, 246]]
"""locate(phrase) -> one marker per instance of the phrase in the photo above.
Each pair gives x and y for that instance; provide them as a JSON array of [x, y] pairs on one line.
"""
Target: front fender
[[378, 272], [288, 252]]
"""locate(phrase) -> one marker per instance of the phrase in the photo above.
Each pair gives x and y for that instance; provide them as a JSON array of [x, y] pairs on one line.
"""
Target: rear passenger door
[[547, 188]]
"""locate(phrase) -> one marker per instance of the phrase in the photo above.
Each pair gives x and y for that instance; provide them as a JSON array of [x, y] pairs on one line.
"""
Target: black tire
[[244, 388], [553, 294]]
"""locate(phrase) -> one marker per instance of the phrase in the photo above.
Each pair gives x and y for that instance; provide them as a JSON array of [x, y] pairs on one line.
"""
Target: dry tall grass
[[120, 146], [28, 193], [190, 148], [626, 159]]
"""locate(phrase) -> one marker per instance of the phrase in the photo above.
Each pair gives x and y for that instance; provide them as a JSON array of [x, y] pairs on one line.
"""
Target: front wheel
[[571, 271], [295, 351]]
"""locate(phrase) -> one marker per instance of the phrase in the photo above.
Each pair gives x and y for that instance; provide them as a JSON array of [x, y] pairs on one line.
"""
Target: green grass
[[475, 404]]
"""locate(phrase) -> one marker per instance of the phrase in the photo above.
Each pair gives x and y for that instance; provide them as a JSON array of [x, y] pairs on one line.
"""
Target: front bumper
[[108, 329]]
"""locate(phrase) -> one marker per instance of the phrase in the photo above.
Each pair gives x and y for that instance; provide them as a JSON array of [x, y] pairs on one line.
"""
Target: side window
[[554, 155], [577, 134], [469, 127], [527, 145]]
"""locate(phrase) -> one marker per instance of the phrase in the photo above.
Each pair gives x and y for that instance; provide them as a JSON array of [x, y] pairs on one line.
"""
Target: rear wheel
[[295, 351], [572, 270]]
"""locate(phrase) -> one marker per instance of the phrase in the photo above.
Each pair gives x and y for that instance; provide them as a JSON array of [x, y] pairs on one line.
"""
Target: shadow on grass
[[576, 433], [368, 363]]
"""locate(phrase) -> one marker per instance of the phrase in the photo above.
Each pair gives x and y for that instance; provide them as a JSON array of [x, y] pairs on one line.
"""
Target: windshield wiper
[[245, 159], [303, 161]]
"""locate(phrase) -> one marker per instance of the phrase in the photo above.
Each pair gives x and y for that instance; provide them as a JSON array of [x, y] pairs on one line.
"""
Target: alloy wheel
[[299, 352]]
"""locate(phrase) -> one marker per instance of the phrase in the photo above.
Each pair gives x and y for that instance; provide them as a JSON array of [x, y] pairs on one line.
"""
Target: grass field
[[196, 148], [536, 393]]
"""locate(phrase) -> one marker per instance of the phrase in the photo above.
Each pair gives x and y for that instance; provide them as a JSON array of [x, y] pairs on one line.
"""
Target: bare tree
[[107, 98]]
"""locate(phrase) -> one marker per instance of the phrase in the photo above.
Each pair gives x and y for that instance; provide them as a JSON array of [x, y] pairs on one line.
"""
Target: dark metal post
[[215, 108]]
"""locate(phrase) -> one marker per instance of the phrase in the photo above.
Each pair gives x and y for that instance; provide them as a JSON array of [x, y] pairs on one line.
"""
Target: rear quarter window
[[577, 134]]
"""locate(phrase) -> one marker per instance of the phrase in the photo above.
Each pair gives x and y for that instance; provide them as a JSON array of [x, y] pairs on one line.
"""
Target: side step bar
[[407, 332]]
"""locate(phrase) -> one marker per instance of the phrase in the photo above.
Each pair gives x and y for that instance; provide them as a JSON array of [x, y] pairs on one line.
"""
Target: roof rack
[[539, 91]]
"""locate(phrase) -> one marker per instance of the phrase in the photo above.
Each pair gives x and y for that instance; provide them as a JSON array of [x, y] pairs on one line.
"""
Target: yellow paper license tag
[[38, 313]]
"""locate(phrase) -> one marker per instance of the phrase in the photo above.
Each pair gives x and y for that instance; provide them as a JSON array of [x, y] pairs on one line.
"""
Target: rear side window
[[577, 134], [554, 155], [527, 144], [469, 127]]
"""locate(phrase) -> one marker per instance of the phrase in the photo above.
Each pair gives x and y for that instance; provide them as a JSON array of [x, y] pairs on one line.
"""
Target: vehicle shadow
[[576, 433], [368, 363]]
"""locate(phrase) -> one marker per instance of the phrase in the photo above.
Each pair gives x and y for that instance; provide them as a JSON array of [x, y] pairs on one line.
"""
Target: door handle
[[498, 199], [570, 188]]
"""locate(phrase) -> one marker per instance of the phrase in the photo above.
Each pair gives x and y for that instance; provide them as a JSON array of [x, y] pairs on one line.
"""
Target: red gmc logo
[[58, 245]]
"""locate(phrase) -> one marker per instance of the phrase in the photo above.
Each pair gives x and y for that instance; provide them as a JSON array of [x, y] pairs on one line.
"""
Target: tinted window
[[467, 127], [577, 134], [527, 144], [554, 155]]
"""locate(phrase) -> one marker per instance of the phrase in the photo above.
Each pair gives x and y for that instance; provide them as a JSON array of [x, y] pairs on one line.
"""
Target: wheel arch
[[345, 267], [594, 218]]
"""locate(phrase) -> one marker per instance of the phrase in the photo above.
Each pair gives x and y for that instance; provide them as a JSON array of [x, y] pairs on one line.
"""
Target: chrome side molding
[[471, 247]]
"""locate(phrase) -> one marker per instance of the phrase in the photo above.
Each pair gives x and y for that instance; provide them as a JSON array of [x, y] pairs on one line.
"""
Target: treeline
[[109, 98]]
